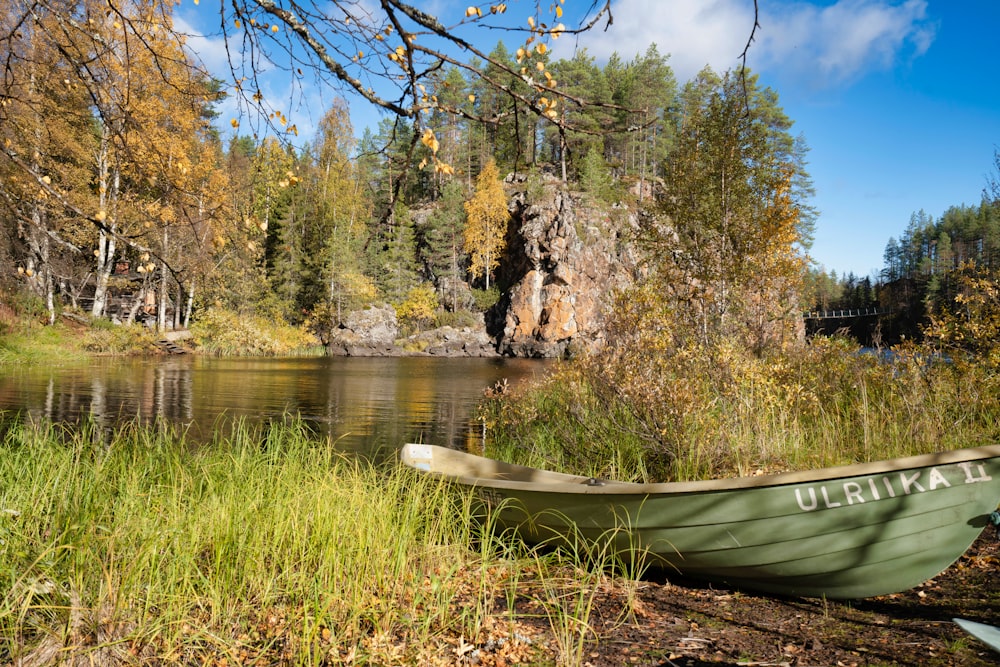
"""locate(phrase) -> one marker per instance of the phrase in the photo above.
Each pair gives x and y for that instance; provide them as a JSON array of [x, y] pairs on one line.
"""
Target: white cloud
[[694, 32], [829, 43], [211, 51], [844, 41], [816, 42]]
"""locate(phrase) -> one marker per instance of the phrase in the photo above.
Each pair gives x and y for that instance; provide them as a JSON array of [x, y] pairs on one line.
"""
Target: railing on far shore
[[844, 313]]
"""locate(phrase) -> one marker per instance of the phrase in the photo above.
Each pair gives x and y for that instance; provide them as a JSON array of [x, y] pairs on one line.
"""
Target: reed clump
[[223, 332], [264, 547], [721, 410]]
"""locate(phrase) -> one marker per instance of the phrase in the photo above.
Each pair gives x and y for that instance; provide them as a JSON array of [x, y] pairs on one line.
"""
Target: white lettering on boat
[[853, 492], [829, 496], [937, 479], [910, 482], [826, 498], [812, 500], [971, 478]]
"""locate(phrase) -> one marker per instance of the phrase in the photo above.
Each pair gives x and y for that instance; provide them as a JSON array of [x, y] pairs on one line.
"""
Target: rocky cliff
[[565, 257]]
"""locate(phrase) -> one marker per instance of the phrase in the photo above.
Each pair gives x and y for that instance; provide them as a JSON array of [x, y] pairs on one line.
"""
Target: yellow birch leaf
[[428, 139]]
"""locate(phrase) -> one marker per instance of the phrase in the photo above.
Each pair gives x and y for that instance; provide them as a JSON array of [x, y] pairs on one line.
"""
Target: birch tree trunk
[[163, 292], [109, 181]]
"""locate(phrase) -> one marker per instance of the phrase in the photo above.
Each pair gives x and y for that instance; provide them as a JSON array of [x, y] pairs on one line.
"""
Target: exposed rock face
[[367, 333], [563, 261], [374, 332], [451, 342]]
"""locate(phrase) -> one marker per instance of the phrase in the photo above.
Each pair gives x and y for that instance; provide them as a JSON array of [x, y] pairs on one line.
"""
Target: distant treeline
[[920, 276]]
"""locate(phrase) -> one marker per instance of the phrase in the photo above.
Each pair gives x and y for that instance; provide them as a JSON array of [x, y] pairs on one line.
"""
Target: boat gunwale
[[555, 482]]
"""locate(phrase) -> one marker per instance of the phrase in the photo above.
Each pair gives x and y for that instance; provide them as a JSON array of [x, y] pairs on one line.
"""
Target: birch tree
[[486, 226], [730, 242]]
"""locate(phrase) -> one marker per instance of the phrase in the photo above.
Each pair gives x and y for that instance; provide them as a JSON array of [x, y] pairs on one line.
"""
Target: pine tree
[[595, 176], [396, 263], [442, 243], [581, 78]]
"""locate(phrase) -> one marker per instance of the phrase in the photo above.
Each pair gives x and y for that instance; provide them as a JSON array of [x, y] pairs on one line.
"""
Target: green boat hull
[[849, 532]]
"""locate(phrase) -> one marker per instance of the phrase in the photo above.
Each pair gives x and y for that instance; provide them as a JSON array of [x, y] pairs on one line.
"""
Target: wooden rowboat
[[847, 532]]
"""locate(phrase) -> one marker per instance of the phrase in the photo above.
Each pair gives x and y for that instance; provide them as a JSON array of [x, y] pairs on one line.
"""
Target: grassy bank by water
[[719, 412], [267, 546], [75, 336]]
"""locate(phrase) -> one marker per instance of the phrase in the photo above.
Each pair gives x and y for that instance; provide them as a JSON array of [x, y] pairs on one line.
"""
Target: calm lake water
[[366, 404]]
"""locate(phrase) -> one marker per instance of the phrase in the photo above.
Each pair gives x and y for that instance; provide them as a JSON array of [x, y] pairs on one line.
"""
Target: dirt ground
[[680, 623]]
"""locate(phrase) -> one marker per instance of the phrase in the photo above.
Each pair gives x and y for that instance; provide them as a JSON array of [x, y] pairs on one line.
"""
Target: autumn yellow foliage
[[970, 327], [420, 306], [486, 229]]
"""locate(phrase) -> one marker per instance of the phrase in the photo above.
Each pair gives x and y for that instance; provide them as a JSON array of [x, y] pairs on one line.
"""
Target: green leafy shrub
[[595, 177], [457, 319], [485, 299]]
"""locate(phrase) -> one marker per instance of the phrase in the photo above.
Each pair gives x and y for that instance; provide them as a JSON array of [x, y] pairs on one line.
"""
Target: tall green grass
[[267, 545], [34, 343]]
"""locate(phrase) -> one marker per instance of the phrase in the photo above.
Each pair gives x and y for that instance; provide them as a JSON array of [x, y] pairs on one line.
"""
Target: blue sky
[[897, 99], [899, 102]]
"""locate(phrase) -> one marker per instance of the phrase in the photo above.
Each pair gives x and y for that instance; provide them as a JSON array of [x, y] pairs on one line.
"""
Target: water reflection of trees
[[361, 404], [104, 395]]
